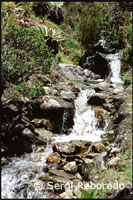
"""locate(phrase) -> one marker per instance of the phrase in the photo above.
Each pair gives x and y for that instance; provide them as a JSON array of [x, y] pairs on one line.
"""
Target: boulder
[[50, 104], [42, 123], [39, 149], [54, 158], [4, 161], [98, 148], [71, 167], [109, 136], [102, 86], [43, 134], [64, 147], [73, 72], [61, 183], [100, 66], [68, 95], [96, 100]]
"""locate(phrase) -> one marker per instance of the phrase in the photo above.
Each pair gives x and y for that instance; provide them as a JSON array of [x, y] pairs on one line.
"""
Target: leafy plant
[[57, 4], [50, 32], [24, 51], [36, 90]]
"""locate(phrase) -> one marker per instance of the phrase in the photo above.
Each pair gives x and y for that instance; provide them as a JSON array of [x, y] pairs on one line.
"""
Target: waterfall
[[85, 122], [114, 61], [115, 66]]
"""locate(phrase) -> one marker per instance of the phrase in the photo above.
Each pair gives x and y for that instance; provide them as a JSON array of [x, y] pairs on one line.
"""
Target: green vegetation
[[91, 20], [36, 90], [24, 51]]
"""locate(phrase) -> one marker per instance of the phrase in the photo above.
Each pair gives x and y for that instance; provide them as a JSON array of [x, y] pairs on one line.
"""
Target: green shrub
[[71, 44], [36, 90], [24, 51]]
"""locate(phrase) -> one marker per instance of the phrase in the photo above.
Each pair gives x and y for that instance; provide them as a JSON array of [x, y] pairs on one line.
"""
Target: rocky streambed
[[62, 137]]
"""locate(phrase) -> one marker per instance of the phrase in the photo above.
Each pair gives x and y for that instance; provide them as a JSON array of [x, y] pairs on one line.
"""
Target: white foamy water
[[85, 122], [115, 66], [16, 179]]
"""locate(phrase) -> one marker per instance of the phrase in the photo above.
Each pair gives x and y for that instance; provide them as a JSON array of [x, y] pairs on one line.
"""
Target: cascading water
[[114, 62], [85, 122], [115, 66], [21, 175]]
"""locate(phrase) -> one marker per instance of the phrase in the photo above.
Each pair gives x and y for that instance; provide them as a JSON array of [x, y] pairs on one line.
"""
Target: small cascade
[[115, 66], [114, 61], [85, 122]]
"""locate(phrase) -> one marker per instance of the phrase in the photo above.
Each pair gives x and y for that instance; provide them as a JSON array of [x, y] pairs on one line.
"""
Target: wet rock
[[68, 95], [98, 148], [61, 173], [75, 157], [96, 100], [100, 61], [76, 90], [64, 147], [39, 149], [90, 75], [73, 72], [114, 162], [39, 158], [27, 132], [109, 136], [42, 123], [54, 158], [43, 134], [103, 86], [71, 167], [4, 161], [50, 104]]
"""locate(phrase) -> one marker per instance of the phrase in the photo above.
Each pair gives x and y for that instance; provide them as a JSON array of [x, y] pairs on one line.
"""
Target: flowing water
[[16, 182], [115, 66], [20, 177], [114, 62], [85, 122]]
